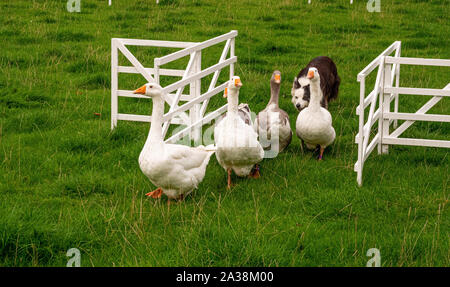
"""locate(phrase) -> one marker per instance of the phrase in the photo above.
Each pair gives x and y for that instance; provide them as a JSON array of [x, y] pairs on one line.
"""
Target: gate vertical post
[[231, 56], [156, 74], [114, 83], [360, 165], [397, 81], [197, 132], [386, 106], [194, 91], [191, 96], [380, 106]]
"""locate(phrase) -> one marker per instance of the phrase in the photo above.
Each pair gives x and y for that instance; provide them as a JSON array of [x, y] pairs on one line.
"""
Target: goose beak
[[141, 90], [310, 74], [225, 94], [277, 78], [238, 83]]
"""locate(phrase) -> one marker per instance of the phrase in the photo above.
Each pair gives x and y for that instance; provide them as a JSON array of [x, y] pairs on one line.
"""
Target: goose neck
[[233, 102], [316, 95], [155, 134], [274, 94]]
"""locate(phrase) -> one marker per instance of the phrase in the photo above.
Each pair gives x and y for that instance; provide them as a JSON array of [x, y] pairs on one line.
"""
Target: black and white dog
[[329, 83]]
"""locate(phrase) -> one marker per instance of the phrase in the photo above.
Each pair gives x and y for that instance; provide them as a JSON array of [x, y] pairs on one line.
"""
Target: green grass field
[[67, 181]]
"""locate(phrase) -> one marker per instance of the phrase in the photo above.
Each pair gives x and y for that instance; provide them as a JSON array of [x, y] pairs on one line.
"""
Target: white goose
[[175, 169], [314, 123], [237, 143]]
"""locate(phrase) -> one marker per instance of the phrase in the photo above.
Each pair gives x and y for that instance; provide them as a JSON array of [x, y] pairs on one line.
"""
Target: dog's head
[[300, 93]]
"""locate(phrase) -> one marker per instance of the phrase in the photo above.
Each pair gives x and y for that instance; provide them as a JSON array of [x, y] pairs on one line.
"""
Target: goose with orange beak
[[176, 170], [237, 145], [314, 123], [272, 123]]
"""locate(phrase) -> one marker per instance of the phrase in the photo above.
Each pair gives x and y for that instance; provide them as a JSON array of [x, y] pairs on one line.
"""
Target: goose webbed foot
[[156, 193]]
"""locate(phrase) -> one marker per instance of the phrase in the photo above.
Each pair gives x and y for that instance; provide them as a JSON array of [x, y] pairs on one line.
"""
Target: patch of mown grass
[[65, 36]]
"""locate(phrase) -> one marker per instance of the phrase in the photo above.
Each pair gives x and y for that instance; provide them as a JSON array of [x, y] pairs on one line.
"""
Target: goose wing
[[187, 157]]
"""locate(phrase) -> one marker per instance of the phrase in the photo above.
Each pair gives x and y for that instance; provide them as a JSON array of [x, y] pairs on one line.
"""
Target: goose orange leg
[[229, 178], [321, 153], [156, 193]]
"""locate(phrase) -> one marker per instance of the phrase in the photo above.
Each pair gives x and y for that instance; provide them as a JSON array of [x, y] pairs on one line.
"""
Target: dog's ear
[[295, 81]]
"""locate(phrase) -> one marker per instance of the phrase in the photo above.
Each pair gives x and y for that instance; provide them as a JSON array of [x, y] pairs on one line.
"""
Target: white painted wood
[[196, 102], [360, 139], [195, 110], [418, 117], [217, 74], [417, 142], [368, 125], [232, 49], [370, 148], [114, 83], [199, 75], [180, 89], [364, 129], [370, 119], [419, 91], [418, 61], [368, 100], [205, 120], [163, 72], [396, 73], [135, 62], [374, 64], [169, 97], [375, 141], [157, 74], [425, 108], [156, 43], [386, 91], [199, 46], [144, 118], [385, 106]]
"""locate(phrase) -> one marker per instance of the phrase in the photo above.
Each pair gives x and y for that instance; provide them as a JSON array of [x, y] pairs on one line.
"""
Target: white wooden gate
[[192, 113], [387, 89]]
